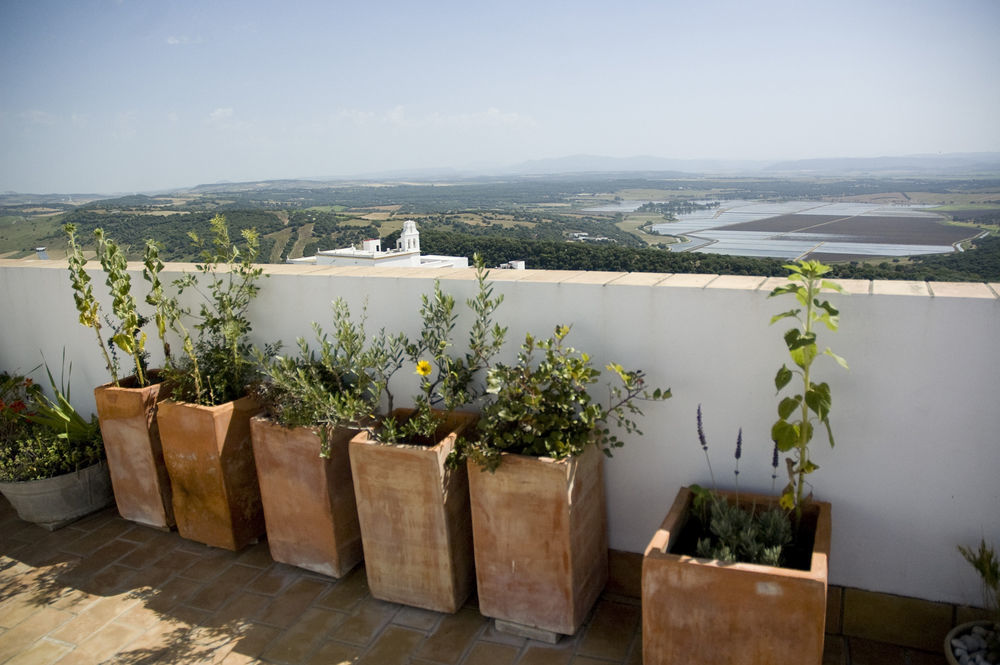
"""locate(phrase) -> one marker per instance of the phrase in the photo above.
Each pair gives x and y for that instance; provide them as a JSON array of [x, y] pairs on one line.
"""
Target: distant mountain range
[[944, 165]]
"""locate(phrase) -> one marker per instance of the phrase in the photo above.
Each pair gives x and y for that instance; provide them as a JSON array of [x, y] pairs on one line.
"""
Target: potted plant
[[314, 404], [52, 465], [538, 515], [979, 641], [126, 407], [413, 509], [728, 572], [205, 424]]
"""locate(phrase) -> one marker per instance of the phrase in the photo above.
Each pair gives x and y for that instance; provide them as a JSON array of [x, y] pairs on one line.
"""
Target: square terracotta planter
[[414, 515], [135, 456], [541, 542], [210, 461], [703, 611], [309, 506]]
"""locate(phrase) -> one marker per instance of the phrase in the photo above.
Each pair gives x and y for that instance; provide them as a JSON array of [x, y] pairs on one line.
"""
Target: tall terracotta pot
[[309, 506], [705, 611], [414, 516], [541, 543], [135, 456], [210, 461]]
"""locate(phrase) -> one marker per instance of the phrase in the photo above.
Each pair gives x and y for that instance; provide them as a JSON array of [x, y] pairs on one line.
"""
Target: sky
[[116, 96]]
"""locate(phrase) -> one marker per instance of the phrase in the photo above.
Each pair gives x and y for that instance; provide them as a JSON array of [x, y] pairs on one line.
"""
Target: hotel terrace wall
[[916, 467]]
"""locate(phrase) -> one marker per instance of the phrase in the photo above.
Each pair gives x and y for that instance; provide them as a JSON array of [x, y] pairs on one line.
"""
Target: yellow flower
[[423, 368]]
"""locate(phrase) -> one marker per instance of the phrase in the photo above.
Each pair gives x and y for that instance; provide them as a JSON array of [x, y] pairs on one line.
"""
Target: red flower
[[18, 406], [28, 382]]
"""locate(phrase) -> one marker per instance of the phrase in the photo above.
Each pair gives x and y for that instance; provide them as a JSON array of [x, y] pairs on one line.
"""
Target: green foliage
[[745, 535], [734, 532], [793, 430], [218, 366], [447, 380], [987, 563], [341, 386], [545, 409], [127, 330], [42, 437]]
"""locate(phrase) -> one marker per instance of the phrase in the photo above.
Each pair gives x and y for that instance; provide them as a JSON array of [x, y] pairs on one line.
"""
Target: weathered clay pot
[[414, 516], [309, 507], [705, 611], [210, 461], [54, 502], [541, 543], [135, 456]]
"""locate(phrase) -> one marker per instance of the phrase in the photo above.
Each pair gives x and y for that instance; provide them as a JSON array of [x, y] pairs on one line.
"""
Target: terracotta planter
[[541, 540], [210, 461], [135, 456], [309, 507], [704, 611], [414, 516], [54, 502]]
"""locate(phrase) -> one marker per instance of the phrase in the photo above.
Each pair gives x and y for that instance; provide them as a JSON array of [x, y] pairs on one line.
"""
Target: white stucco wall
[[916, 467]]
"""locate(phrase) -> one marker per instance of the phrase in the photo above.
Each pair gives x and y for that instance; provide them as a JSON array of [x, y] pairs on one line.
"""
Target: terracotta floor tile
[[452, 637], [99, 537], [106, 642], [21, 636], [491, 634], [292, 602], [415, 617], [110, 581], [393, 647], [587, 660], [209, 565], [240, 606], [488, 653], [334, 653], [226, 586], [91, 564], [41, 652], [365, 622], [274, 579], [177, 560], [168, 595], [140, 616], [610, 631], [256, 556], [254, 639], [537, 654], [348, 591], [298, 641], [94, 618], [140, 533]]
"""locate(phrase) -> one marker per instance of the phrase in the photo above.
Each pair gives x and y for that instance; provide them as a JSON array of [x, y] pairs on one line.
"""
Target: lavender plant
[[735, 532]]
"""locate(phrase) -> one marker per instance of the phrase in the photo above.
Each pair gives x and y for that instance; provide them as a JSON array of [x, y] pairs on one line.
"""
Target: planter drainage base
[[532, 633]]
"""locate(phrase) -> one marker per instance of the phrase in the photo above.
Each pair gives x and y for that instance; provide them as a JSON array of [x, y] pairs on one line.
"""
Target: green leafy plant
[[734, 532], [340, 383], [218, 366], [793, 430], [447, 380], [544, 408], [987, 563], [42, 437]]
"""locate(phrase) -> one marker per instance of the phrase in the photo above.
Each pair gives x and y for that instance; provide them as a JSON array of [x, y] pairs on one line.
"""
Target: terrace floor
[[104, 590]]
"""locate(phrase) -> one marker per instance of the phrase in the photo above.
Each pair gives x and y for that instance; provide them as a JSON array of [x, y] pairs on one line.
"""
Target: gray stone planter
[[55, 502]]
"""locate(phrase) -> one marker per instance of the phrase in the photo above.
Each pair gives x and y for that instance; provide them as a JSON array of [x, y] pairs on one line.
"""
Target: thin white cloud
[[400, 116], [36, 117], [225, 118]]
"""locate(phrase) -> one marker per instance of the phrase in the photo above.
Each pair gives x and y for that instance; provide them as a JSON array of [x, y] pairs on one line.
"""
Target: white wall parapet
[[917, 460]]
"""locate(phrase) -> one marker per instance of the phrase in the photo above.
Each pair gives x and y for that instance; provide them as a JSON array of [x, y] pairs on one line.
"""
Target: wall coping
[[980, 290]]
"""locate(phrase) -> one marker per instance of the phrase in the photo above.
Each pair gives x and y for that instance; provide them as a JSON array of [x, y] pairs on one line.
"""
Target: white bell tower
[[409, 240]]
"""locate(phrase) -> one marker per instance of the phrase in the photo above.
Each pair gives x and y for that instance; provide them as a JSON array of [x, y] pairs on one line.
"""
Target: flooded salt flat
[[807, 227]]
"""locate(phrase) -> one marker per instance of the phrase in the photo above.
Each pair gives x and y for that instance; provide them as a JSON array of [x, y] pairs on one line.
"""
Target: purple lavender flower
[[701, 432]]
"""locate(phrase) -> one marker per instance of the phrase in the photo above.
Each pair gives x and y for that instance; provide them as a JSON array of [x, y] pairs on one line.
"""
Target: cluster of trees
[[979, 264], [171, 231]]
